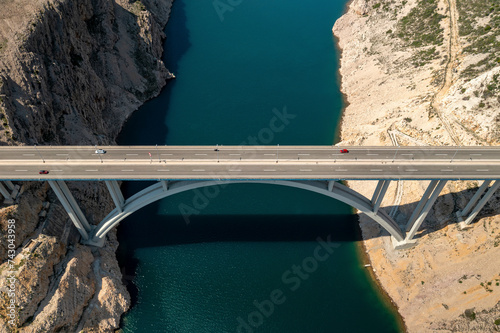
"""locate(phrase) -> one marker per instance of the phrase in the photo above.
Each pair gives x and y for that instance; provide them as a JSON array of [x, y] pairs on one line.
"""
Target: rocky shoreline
[[71, 73], [405, 89]]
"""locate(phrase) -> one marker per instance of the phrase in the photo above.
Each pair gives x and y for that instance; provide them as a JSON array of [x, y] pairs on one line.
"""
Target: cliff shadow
[[144, 126]]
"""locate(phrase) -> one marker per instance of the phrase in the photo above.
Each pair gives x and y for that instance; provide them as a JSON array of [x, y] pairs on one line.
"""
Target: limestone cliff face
[[427, 73], [71, 73], [76, 70]]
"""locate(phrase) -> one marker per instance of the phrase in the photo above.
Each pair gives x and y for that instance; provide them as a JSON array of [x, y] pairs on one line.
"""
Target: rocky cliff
[[71, 73], [426, 72]]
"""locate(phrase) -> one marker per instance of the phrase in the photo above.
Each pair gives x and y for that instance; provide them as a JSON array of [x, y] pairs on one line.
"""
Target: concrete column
[[164, 183], [5, 193], [483, 201], [425, 210], [118, 191], [331, 184], [9, 184], [421, 204], [74, 204], [377, 190], [116, 195], [62, 196], [475, 198], [381, 195]]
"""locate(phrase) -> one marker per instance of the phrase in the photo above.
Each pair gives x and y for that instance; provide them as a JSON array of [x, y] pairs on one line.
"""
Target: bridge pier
[[116, 194], [379, 193], [9, 193], [69, 203], [423, 208], [6, 195], [474, 211]]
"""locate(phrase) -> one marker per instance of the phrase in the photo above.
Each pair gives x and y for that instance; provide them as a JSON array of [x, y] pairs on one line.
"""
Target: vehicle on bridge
[[100, 151], [43, 172], [343, 151]]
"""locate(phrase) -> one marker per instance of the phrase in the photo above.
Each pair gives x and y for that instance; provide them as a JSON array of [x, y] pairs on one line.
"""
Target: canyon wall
[[71, 73], [419, 73]]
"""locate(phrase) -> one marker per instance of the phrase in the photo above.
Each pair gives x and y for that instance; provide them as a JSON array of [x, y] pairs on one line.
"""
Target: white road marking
[[341, 170], [198, 170], [305, 169], [475, 154], [55, 170], [269, 154], [234, 154], [446, 170], [441, 154], [376, 170], [201, 154], [407, 154], [167, 154], [482, 170], [92, 170], [62, 154], [410, 170], [22, 170], [234, 170], [127, 170], [28, 154], [132, 154], [162, 170], [372, 154], [303, 154], [269, 169]]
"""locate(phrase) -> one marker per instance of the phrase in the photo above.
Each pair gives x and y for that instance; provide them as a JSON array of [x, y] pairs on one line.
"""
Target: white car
[[100, 151]]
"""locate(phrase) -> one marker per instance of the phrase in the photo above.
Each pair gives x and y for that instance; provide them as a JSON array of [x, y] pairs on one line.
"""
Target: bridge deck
[[248, 162]]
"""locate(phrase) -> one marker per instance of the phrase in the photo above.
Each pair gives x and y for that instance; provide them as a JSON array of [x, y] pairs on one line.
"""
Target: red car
[[43, 172], [343, 151]]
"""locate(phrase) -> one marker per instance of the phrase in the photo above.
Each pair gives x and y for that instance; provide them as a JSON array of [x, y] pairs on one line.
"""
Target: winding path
[[453, 51]]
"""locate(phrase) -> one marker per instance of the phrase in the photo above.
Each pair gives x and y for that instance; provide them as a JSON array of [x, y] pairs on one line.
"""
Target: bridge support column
[[116, 194], [6, 195], [164, 183], [474, 199], [68, 201], [9, 184], [423, 208], [331, 184], [480, 204], [379, 194]]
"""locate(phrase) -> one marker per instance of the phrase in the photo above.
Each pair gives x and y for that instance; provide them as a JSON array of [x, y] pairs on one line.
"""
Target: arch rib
[[157, 192]]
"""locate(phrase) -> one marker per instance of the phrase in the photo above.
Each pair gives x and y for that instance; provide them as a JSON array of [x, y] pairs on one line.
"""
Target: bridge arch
[[159, 191]]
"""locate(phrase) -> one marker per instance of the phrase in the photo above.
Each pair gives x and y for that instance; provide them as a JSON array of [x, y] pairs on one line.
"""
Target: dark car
[[43, 172], [343, 151]]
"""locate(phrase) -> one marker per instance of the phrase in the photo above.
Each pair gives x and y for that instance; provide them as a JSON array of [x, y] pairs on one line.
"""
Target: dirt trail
[[453, 51]]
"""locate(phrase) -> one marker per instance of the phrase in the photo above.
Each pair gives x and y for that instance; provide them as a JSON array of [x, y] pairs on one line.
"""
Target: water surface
[[247, 258]]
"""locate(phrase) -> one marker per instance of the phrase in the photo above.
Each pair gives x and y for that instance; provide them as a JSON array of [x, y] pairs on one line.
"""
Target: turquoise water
[[252, 258]]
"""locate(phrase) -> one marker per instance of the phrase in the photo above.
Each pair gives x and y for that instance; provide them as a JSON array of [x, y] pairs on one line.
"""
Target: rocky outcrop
[[71, 73], [418, 73], [76, 70]]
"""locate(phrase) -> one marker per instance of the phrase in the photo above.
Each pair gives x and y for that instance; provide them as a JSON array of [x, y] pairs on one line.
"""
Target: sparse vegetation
[[421, 27], [479, 23], [470, 314]]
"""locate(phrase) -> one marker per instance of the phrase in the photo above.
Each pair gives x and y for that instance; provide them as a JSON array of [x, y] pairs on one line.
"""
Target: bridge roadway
[[248, 162]]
